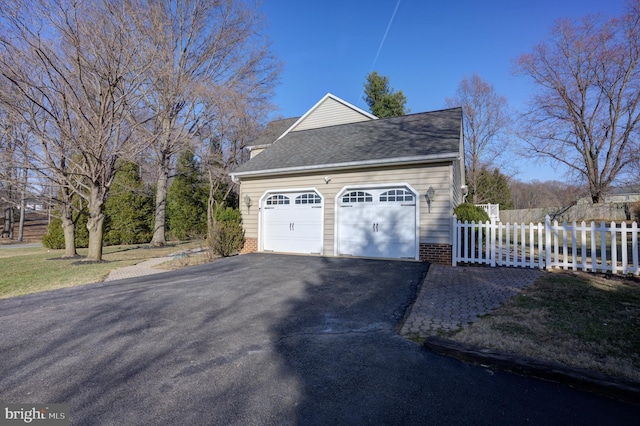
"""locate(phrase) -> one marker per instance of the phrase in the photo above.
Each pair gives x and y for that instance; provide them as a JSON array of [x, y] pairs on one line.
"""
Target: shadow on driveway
[[260, 339]]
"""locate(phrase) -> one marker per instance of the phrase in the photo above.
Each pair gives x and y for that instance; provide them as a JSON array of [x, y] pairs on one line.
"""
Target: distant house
[[627, 194], [338, 181]]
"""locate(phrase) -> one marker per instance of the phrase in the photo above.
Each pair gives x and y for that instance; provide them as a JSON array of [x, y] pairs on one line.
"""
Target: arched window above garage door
[[396, 195], [310, 198], [277, 200], [357, 197]]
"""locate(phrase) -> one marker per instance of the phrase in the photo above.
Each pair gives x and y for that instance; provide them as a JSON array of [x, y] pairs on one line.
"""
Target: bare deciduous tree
[[201, 51], [485, 120], [238, 122], [74, 65], [586, 112], [534, 194]]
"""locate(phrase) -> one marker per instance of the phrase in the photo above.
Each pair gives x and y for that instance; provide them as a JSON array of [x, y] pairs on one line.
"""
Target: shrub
[[54, 238], [227, 214], [226, 237], [471, 213]]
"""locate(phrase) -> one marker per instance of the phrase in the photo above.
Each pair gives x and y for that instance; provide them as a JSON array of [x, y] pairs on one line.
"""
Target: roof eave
[[263, 145], [400, 161]]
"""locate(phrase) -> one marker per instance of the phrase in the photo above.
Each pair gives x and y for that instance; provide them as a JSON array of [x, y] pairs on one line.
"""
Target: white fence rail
[[587, 247]]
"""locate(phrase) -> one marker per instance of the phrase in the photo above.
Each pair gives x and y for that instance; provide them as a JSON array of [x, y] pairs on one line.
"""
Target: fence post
[[547, 242], [492, 248], [623, 246], [594, 247], [614, 247], [454, 248], [634, 248], [540, 246]]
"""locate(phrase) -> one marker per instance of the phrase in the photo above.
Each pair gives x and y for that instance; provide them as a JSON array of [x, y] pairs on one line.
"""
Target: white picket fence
[[587, 247]]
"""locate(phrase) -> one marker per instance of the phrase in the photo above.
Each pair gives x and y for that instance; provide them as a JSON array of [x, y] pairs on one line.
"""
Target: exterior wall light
[[431, 193], [430, 196], [247, 201]]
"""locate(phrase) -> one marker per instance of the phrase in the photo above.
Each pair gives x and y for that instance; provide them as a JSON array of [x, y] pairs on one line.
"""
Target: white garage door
[[377, 223], [292, 222]]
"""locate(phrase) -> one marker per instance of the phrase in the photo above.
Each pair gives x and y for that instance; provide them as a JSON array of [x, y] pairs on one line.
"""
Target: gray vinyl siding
[[330, 113], [434, 226], [457, 196]]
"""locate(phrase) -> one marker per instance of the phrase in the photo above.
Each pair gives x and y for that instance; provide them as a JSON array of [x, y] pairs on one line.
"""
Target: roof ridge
[[381, 120]]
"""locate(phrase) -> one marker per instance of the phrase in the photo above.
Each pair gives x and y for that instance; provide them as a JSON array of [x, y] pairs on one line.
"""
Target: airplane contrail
[[384, 37]]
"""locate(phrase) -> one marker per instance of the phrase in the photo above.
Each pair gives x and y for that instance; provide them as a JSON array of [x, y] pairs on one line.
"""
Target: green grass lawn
[[31, 270], [583, 320]]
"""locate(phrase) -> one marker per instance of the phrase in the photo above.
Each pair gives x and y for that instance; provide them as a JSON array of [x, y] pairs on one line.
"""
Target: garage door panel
[[377, 223], [277, 227], [293, 225]]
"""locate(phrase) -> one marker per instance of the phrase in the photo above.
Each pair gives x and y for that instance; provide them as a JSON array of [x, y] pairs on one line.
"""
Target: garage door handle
[[291, 226], [375, 227]]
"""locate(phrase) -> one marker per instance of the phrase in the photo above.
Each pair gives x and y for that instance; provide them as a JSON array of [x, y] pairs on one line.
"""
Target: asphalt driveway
[[261, 339]]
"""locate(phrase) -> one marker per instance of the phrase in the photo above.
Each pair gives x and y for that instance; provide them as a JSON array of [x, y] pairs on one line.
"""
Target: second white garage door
[[292, 222], [377, 222]]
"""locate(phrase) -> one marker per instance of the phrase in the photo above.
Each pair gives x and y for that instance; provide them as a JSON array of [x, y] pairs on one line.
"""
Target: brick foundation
[[250, 245], [436, 253]]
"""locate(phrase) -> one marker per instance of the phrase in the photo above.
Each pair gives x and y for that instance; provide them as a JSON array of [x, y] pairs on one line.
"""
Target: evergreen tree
[[187, 199], [383, 101], [493, 187], [129, 208]]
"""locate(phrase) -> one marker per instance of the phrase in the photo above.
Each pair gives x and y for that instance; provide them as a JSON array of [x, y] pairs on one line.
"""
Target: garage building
[[338, 181]]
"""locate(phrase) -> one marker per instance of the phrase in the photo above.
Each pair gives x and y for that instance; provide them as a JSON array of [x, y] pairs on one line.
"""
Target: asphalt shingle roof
[[416, 135]]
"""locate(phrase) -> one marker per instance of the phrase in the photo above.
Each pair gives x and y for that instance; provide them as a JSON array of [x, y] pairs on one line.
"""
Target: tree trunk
[[160, 216], [95, 225], [22, 214], [69, 229], [596, 192], [68, 225], [23, 205], [11, 223]]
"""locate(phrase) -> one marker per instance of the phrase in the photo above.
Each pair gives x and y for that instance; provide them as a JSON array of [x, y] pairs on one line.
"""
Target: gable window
[[396, 195], [277, 200], [311, 198], [357, 197]]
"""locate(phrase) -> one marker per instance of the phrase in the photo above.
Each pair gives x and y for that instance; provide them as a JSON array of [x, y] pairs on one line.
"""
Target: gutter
[[400, 161]]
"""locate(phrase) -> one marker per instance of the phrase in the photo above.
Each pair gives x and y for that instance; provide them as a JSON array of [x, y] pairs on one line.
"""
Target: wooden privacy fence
[[587, 247]]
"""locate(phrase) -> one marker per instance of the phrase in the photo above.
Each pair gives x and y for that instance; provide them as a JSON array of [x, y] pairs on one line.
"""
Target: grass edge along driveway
[[32, 270], [578, 319]]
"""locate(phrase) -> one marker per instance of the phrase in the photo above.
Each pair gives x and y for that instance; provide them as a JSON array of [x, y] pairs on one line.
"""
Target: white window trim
[[350, 188], [284, 191]]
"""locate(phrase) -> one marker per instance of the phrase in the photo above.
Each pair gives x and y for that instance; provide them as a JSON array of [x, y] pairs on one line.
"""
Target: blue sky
[[330, 46]]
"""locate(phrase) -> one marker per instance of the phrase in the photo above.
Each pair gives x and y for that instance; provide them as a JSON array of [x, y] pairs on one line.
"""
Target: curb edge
[[582, 379]]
